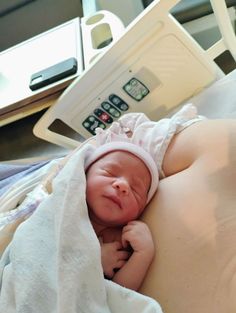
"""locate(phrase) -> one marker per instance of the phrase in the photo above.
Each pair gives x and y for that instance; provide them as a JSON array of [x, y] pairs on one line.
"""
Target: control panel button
[[118, 102], [91, 123], [91, 119], [136, 89], [106, 118], [109, 108], [115, 99], [124, 107], [106, 105]]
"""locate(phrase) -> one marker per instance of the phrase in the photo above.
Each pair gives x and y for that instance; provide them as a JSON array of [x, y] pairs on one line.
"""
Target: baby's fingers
[[123, 255], [120, 264], [109, 273], [125, 239], [118, 245]]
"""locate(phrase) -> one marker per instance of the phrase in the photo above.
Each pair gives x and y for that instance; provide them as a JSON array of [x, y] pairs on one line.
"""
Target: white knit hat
[[108, 141]]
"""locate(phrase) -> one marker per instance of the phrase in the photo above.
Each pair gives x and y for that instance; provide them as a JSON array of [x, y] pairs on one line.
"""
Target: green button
[[133, 82], [124, 107], [91, 119], [86, 124], [127, 87], [139, 96]]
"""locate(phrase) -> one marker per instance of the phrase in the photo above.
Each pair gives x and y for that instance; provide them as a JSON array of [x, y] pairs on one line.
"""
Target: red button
[[104, 117]]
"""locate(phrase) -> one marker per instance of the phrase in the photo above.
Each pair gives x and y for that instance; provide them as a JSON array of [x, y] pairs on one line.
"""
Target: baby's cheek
[[136, 210], [142, 205]]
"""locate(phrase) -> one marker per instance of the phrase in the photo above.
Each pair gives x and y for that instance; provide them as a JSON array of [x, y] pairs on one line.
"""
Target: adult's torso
[[193, 221]]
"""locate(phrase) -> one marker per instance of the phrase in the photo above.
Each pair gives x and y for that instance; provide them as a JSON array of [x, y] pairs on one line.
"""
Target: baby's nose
[[122, 186]]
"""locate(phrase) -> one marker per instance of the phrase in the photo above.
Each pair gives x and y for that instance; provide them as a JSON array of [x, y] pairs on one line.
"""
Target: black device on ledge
[[53, 73]]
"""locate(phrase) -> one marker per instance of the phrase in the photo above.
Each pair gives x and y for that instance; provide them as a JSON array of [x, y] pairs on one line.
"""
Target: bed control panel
[[135, 89], [105, 114]]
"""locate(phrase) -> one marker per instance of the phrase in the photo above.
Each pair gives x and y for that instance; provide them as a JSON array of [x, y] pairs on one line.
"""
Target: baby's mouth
[[114, 199]]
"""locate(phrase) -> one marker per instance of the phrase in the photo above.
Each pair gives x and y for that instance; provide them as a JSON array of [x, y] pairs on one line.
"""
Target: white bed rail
[[228, 40], [154, 50]]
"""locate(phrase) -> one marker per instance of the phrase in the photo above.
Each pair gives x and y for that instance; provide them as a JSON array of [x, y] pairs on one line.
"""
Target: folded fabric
[[153, 136], [11, 173]]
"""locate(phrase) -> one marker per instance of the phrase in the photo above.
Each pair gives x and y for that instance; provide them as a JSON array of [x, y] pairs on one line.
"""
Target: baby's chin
[[115, 222], [120, 223]]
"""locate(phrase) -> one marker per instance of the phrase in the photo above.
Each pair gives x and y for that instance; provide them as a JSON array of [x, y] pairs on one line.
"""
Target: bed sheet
[[218, 100]]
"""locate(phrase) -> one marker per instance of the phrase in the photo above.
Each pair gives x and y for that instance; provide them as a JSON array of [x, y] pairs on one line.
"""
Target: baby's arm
[[138, 235]]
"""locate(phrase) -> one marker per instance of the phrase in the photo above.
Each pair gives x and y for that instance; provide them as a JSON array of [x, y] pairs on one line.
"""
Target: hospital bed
[[151, 53], [154, 67]]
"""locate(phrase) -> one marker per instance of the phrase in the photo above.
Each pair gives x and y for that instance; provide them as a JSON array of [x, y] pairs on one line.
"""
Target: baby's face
[[117, 188]]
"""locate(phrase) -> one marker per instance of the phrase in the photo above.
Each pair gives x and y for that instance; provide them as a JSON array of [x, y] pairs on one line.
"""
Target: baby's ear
[[129, 133]]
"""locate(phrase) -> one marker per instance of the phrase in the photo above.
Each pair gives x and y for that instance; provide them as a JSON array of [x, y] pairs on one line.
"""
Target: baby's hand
[[113, 257], [138, 236]]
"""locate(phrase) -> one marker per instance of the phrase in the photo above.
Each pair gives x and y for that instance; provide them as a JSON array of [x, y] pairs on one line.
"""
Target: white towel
[[53, 263]]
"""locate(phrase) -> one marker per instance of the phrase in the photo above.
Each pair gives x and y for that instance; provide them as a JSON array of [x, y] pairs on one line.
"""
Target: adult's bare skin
[[193, 221]]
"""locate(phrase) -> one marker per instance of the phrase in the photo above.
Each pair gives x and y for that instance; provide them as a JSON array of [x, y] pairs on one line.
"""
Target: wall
[[35, 18], [126, 10]]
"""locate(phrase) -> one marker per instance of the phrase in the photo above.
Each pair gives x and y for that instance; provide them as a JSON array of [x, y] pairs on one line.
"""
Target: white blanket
[[53, 262]]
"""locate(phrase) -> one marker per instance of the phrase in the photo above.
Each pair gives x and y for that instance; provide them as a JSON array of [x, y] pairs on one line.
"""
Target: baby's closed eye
[[108, 171]]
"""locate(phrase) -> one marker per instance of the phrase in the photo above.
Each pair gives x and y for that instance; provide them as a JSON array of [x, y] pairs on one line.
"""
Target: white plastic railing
[[228, 40]]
